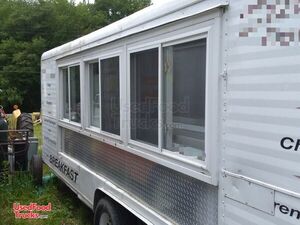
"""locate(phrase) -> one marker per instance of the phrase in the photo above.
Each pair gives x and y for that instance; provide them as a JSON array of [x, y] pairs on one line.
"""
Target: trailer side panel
[[261, 113]]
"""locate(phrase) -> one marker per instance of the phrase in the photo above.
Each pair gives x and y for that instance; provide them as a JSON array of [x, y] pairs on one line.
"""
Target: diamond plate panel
[[178, 197]]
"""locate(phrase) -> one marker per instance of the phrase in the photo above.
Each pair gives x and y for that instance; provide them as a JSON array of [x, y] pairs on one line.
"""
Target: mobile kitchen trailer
[[186, 112]]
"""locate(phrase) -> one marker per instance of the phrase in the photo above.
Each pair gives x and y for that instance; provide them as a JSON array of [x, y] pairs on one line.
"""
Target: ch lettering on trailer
[[288, 143], [63, 168], [295, 213]]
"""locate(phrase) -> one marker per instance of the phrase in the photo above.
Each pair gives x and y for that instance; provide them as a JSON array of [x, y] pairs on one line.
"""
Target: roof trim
[[148, 18]]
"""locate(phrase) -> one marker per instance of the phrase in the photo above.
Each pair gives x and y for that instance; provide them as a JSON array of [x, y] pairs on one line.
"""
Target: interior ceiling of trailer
[[148, 18]]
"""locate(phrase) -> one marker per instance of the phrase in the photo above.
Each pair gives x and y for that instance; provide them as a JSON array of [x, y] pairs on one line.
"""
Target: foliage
[[116, 9], [66, 207], [20, 189], [30, 27]]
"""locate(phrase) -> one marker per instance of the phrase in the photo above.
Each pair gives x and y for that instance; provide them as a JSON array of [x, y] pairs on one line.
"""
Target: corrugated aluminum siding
[[182, 199], [261, 99]]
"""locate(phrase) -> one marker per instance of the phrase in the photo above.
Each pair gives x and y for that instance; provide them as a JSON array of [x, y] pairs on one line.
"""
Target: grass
[[67, 209]]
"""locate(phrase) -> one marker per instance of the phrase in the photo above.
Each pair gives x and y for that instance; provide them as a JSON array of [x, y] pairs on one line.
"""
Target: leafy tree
[[117, 9]]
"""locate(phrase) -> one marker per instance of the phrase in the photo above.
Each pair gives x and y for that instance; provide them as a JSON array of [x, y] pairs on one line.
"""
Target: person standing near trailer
[[15, 114]]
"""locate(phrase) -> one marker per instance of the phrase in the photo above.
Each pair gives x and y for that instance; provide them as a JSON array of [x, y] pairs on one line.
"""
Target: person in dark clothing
[[3, 138]]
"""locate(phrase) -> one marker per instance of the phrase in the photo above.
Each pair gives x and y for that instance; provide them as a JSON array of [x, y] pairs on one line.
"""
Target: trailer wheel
[[24, 122], [108, 212], [37, 169]]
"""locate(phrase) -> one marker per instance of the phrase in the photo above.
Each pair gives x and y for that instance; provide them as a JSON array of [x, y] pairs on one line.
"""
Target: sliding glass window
[[66, 105], [104, 89], [71, 94], [144, 96], [184, 79], [110, 95], [94, 94], [75, 94]]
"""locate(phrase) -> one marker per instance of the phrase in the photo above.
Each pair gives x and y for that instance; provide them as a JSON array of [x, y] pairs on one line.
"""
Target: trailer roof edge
[[148, 18]]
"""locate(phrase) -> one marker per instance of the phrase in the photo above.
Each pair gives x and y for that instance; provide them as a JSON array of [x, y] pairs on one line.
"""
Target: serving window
[[144, 96], [184, 76], [71, 93], [104, 94], [94, 94], [110, 95], [168, 98], [66, 104]]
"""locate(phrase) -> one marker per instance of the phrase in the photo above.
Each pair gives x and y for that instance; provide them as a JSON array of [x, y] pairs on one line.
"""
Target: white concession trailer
[[187, 112]]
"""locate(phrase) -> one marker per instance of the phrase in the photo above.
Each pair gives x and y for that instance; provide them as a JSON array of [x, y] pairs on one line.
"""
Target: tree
[[117, 9]]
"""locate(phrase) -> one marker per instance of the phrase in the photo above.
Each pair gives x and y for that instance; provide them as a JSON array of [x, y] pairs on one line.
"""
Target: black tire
[[24, 122], [37, 169], [117, 214]]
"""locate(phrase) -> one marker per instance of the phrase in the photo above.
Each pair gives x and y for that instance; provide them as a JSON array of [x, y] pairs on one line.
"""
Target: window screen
[[94, 94], [75, 93], [184, 98], [144, 96], [110, 95]]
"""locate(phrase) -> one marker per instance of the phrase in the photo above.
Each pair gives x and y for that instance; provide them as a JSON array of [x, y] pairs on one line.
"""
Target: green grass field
[[66, 207]]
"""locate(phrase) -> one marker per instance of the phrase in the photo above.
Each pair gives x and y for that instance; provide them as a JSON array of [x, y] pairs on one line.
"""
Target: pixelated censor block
[[274, 22]]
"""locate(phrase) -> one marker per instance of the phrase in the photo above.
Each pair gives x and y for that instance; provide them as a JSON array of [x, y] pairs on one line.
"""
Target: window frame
[[103, 57], [205, 162], [61, 112], [209, 164], [87, 70], [132, 50], [97, 59]]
